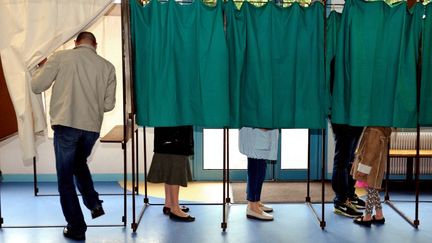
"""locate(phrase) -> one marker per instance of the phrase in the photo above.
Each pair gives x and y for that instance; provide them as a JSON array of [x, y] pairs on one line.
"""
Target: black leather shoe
[[97, 212], [360, 221], [167, 210], [74, 236], [175, 217]]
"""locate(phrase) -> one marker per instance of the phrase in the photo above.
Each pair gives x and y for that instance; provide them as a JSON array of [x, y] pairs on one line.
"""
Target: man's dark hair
[[86, 35]]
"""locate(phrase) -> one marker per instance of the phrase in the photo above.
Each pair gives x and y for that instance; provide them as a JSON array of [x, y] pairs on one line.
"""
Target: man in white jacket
[[84, 88]]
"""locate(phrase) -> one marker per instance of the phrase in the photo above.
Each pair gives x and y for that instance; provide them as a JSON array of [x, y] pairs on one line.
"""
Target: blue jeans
[[346, 139], [256, 173], [72, 147]]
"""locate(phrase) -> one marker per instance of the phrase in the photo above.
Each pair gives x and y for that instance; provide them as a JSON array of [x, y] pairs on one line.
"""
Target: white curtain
[[29, 31]]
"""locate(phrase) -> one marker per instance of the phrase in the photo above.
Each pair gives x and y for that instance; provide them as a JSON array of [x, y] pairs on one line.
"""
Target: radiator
[[407, 140]]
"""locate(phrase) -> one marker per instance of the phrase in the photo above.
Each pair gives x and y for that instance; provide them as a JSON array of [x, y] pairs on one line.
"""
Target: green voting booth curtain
[[276, 60], [180, 64], [375, 79], [426, 81]]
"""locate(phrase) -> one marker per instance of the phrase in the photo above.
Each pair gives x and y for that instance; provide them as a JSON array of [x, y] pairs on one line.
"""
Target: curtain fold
[[332, 29], [276, 60], [375, 80], [180, 62], [30, 31]]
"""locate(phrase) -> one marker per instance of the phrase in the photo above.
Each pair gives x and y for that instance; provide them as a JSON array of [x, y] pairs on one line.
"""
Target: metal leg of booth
[[1, 218], [225, 185], [414, 223], [227, 198], [321, 219]]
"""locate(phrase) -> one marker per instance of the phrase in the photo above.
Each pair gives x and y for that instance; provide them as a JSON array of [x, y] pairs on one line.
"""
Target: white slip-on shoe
[[265, 208], [260, 216]]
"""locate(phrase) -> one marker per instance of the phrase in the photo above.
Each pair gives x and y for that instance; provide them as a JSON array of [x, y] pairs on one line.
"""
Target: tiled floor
[[293, 222]]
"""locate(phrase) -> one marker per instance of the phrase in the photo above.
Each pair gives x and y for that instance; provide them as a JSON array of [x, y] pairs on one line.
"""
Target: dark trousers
[[346, 139], [72, 147], [256, 175]]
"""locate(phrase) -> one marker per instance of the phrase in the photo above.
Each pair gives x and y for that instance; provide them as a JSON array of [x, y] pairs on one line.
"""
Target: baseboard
[[52, 177]]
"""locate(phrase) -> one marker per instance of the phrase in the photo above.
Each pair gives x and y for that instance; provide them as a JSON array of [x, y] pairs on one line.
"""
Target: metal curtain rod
[[276, 1], [237, 1], [279, 1]]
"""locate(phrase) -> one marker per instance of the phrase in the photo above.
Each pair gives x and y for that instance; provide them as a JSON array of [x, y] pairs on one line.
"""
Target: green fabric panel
[[332, 28], [375, 82], [276, 58], [180, 64], [236, 42], [426, 82]]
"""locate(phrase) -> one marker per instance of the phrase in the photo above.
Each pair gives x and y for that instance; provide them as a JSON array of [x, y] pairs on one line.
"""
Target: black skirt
[[171, 169]]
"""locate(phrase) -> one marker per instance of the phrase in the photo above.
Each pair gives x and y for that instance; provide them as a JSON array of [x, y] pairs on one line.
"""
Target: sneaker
[[357, 202], [347, 209]]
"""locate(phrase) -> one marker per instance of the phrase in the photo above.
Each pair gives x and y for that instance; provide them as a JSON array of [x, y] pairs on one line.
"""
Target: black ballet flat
[[360, 221], [175, 217], [167, 210], [377, 221]]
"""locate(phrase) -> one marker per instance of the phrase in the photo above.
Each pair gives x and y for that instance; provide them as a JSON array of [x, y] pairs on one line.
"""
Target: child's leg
[[370, 203], [374, 200], [377, 201]]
